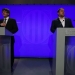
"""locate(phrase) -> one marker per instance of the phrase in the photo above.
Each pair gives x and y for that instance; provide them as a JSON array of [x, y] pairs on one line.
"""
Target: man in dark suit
[[11, 25], [61, 21]]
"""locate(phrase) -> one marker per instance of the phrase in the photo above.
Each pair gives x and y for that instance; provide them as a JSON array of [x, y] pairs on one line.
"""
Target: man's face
[[61, 13], [5, 14]]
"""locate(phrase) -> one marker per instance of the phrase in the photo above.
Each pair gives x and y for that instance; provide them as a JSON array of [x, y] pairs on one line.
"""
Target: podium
[[5, 51], [61, 35]]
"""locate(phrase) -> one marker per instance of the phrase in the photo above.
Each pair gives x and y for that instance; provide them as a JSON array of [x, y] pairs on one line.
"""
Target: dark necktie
[[4, 20]]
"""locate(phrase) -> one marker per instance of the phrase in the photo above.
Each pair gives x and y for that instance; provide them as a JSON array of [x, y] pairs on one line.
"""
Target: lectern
[[5, 51], [61, 35]]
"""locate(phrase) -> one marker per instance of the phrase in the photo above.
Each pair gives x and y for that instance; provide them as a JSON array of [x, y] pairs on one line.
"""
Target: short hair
[[59, 9], [6, 9]]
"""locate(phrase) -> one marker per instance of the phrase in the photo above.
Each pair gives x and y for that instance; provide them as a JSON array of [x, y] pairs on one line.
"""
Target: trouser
[[12, 54], [67, 41]]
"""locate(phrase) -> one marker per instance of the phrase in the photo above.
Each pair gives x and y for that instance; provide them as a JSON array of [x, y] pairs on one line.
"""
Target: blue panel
[[34, 38]]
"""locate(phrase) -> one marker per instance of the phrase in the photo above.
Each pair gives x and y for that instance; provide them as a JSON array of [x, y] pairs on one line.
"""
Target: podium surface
[[5, 51], [61, 47], [4, 31]]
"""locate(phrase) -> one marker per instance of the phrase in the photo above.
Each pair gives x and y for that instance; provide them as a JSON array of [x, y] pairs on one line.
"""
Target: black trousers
[[12, 53]]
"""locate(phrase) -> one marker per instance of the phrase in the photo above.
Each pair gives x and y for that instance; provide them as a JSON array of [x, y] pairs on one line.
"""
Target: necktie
[[4, 20]]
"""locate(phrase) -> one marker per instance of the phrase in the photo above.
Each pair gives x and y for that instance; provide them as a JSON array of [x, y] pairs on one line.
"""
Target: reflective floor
[[32, 67], [35, 66]]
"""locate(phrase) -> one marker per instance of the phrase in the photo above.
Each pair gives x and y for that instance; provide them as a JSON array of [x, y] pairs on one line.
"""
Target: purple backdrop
[[34, 38]]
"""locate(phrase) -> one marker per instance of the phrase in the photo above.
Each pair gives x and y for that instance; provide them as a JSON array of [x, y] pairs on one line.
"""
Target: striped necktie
[[4, 20]]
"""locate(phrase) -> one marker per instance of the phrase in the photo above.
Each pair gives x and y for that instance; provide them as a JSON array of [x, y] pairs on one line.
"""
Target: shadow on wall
[[50, 45], [18, 44]]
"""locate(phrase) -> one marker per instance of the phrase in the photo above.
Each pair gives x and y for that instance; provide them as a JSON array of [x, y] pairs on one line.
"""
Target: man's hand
[[3, 24]]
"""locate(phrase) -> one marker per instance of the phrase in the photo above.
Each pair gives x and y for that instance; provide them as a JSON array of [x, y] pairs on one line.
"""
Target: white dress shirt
[[62, 20], [7, 18]]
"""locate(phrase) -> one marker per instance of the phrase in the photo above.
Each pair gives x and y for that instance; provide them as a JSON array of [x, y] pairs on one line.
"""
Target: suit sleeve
[[71, 25], [53, 27], [0, 23], [13, 28]]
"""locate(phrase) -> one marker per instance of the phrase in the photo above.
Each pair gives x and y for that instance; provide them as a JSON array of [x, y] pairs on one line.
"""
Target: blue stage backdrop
[[34, 38]]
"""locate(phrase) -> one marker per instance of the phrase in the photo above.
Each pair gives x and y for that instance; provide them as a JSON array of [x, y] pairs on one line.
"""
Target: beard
[[61, 15]]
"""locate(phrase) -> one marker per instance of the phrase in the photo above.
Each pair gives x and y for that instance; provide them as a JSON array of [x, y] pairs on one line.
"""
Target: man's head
[[61, 12], [5, 12]]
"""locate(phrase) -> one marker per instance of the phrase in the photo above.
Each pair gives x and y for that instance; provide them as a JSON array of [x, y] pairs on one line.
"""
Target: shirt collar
[[62, 18], [6, 18]]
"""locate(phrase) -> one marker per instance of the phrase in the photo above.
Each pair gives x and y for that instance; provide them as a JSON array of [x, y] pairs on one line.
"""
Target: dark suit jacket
[[11, 26], [57, 24]]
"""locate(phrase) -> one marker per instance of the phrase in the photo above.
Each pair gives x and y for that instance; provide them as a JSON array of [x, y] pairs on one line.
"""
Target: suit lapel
[[59, 23], [65, 22], [2, 20], [8, 20]]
